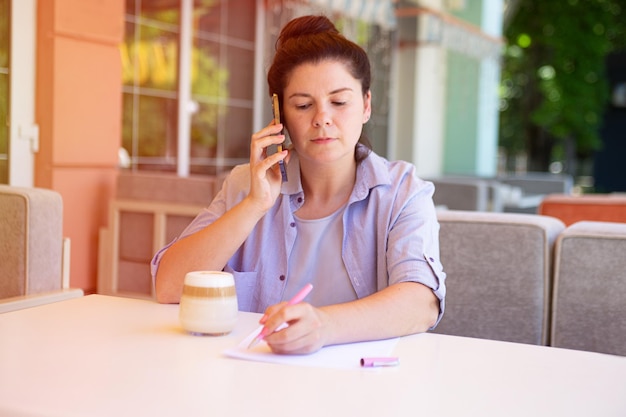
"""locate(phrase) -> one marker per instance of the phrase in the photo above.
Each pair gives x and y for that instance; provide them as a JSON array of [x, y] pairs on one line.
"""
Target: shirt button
[[292, 224], [282, 277], [299, 199]]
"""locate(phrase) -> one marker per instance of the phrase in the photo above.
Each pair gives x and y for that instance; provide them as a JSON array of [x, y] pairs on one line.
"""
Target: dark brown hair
[[312, 39]]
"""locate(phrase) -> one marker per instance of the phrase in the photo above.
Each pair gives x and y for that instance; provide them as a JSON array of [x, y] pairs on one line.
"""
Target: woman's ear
[[367, 106]]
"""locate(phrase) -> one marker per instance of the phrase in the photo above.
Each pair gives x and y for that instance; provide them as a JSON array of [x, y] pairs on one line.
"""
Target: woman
[[362, 229]]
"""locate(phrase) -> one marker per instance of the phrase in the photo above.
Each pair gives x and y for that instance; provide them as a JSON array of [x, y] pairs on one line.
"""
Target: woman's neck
[[326, 188]]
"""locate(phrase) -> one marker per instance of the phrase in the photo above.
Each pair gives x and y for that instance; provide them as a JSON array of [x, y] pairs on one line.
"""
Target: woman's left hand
[[307, 330]]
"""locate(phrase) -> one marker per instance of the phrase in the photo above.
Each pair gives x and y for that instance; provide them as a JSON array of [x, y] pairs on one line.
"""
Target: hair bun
[[306, 26]]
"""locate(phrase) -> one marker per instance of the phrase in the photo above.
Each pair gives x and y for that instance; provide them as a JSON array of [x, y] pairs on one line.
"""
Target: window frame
[[23, 132]]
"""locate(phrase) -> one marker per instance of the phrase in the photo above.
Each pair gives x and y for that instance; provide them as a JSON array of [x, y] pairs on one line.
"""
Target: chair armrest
[[34, 300]]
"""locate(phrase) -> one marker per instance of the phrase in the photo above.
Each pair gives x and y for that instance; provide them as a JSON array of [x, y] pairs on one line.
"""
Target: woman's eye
[[339, 103], [302, 106]]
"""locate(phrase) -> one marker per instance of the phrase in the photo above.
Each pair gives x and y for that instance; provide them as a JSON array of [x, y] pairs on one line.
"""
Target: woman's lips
[[323, 140]]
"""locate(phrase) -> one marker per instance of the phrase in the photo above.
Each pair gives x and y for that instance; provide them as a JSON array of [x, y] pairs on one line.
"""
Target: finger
[[291, 341], [271, 319], [260, 144], [270, 311], [296, 316], [269, 165], [296, 347], [271, 130]]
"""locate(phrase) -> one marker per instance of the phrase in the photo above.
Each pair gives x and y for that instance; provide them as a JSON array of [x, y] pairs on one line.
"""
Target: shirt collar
[[371, 172]]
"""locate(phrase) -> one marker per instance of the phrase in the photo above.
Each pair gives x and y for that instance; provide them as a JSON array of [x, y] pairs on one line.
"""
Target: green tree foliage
[[553, 90]]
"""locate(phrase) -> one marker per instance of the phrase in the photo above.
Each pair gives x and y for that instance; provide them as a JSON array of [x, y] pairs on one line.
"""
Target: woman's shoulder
[[396, 185], [238, 175], [236, 184], [394, 171]]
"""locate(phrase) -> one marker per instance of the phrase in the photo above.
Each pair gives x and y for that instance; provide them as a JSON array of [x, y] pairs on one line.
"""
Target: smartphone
[[279, 147]]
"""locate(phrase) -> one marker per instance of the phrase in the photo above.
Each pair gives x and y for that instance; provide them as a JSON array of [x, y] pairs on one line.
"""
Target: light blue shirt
[[391, 233]]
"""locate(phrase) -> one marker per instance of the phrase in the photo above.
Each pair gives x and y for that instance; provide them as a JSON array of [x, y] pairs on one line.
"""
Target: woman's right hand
[[265, 177]]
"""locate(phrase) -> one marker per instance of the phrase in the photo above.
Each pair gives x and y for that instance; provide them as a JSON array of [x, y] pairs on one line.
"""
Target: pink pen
[[295, 300]]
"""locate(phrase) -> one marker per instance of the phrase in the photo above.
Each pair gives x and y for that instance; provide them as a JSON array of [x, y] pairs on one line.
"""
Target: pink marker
[[295, 300]]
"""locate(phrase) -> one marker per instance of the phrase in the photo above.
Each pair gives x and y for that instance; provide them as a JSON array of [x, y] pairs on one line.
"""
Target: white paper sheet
[[347, 356]]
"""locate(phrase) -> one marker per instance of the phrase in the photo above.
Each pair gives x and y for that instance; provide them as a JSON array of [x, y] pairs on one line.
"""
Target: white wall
[[420, 69]]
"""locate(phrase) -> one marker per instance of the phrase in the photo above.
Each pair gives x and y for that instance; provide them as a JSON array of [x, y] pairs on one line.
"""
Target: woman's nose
[[322, 118]]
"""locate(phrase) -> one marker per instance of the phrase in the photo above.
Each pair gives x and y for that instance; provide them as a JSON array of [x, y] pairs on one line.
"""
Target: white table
[[109, 356]]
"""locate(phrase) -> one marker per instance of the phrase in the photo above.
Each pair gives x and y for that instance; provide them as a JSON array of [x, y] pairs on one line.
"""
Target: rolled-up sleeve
[[413, 241], [393, 229]]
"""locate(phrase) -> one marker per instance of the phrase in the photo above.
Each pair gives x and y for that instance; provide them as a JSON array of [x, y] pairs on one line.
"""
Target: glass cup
[[208, 305]]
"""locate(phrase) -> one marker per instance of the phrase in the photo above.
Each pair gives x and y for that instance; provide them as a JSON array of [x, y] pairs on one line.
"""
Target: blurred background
[[134, 110], [563, 90]]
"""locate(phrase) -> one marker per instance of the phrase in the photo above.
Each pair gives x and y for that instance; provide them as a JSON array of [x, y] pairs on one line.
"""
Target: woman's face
[[324, 110]]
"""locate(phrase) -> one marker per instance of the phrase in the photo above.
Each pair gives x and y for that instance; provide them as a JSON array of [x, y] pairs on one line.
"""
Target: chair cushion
[[498, 268], [590, 288], [31, 240]]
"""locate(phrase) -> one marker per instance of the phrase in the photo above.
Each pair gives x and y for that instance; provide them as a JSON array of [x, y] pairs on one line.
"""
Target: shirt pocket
[[245, 286]]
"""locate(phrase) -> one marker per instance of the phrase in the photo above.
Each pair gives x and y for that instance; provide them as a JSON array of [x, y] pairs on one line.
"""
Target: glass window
[[149, 72], [222, 66], [221, 69], [222, 85], [5, 31]]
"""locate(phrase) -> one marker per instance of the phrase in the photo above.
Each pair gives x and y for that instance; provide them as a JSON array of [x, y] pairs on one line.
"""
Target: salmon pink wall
[[78, 109]]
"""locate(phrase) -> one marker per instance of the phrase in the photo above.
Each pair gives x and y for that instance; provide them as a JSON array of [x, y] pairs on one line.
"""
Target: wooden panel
[[137, 230]]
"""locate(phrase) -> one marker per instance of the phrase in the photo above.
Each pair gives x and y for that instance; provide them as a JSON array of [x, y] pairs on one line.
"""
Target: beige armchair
[[498, 269], [34, 256], [589, 298]]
